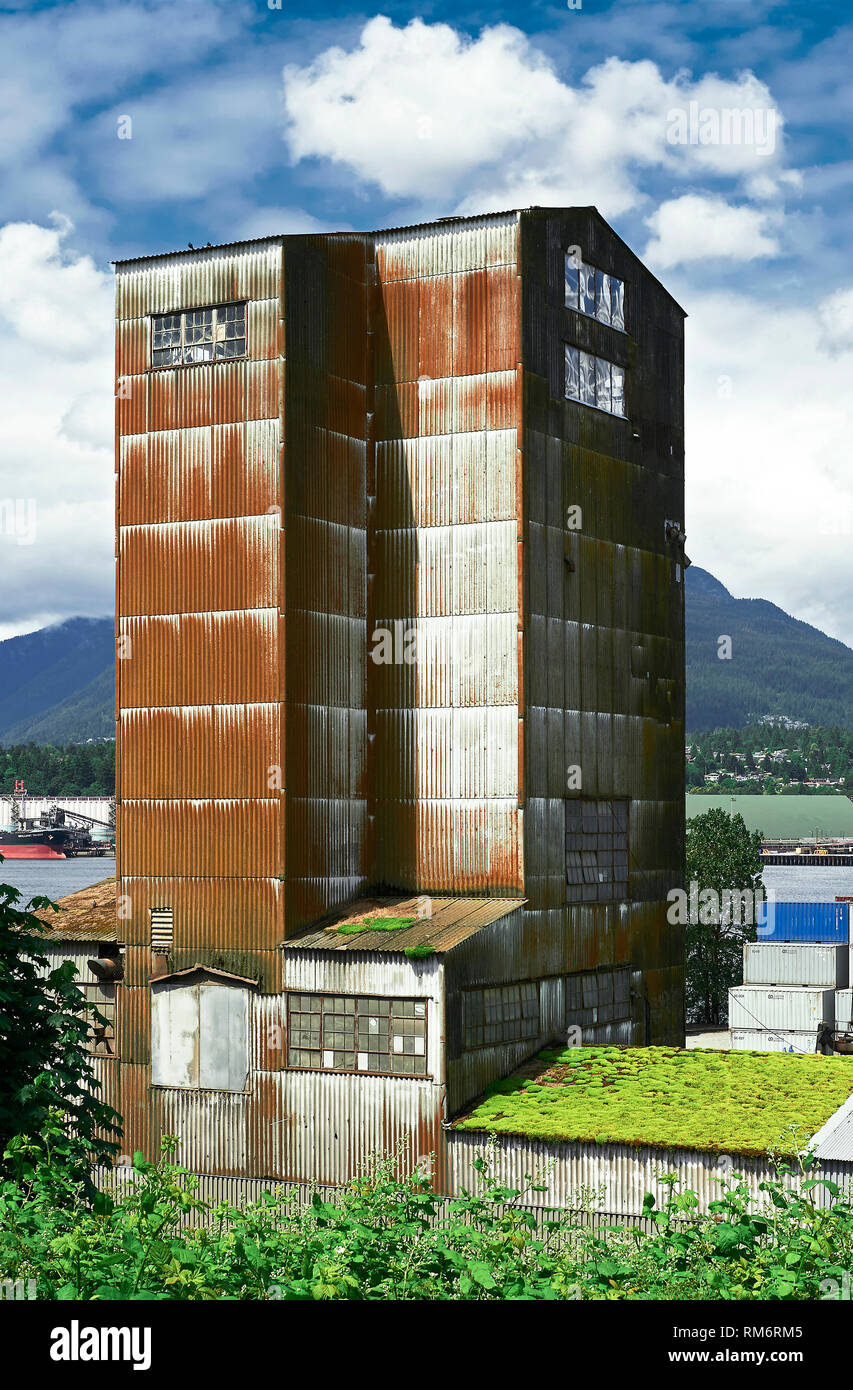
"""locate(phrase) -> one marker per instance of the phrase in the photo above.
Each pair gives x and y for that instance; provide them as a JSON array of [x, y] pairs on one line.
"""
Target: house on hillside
[[400, 697]]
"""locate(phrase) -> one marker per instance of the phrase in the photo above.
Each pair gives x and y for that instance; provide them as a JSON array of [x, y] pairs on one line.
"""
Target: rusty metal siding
[[219, 838], [176, 752], [198, 474], [444, 555], [209, 914], [196, 567], [199, 659]]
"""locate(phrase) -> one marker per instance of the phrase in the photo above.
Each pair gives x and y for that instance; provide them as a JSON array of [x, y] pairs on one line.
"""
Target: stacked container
[[796, 978]]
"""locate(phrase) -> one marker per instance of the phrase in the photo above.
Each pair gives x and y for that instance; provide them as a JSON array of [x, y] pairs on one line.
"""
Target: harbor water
[[55, 878]]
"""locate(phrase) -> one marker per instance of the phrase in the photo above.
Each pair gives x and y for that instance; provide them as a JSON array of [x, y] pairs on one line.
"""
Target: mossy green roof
[[667, 1097]]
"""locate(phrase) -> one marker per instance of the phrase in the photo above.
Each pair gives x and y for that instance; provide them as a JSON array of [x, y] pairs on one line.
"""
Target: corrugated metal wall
[[603, 640], [444, 730]]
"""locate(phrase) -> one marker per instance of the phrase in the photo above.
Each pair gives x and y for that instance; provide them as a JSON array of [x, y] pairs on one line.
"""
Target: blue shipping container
[[816, 922]]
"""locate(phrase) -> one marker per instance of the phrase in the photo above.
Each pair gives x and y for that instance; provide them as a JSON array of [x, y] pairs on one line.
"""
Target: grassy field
[[667, 1097], [782, 817]]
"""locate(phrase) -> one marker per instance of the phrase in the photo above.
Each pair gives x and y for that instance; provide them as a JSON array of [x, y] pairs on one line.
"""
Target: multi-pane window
[[595, 293], [198, 335], [341, 1032], [502, 1014], [596, 850], [594, 381], [101, 1034]]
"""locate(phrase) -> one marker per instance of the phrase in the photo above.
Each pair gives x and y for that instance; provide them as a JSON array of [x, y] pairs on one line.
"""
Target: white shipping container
[[795, 1008], [844, 1010], [765, 1040], [801, 963]]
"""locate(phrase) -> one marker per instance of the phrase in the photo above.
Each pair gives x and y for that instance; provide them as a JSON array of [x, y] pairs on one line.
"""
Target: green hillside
[[778, 665]]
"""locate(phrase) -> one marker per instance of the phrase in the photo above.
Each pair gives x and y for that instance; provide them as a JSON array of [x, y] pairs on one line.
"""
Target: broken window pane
[[572, 373], [198, 335], [572, 282], [617, 387], [586, 294], [602, 296], [587, 379], [602, 383], [617, 303]]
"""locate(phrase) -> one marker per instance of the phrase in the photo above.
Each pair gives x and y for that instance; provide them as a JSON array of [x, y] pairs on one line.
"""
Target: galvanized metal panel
[[766, 1040], [768, 963], [795, 1008], [199, 751]]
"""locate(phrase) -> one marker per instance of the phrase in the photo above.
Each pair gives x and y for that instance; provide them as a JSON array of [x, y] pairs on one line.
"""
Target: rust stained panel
[[235, 914], [132, 405], [229, 391], [264, 329], [435, 336], [263, 390], [133, 1015], [470, 323], [503, 345], [200, 659], [396, 411], [201, 751], [132, 349], [222, 839], [398, 357], [195, 567], [450, 847], [181, 398]]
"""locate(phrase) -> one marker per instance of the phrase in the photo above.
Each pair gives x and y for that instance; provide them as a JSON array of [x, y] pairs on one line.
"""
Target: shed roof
[[450, 921], [87, 915]]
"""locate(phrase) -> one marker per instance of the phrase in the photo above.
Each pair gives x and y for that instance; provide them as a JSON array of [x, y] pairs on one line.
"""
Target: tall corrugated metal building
[[400, 636]]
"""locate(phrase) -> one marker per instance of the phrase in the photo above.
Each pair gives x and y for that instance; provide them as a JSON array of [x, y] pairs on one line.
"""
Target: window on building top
[[333, 1032], [502, 1014], [595, 293], [596, 850], [595, 381], [198, 335]]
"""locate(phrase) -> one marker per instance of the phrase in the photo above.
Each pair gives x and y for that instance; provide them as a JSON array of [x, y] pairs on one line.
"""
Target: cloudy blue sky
[[247, 119]]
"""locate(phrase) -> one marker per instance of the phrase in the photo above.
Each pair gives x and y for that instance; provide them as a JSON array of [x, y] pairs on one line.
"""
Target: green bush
[[384, 1239]]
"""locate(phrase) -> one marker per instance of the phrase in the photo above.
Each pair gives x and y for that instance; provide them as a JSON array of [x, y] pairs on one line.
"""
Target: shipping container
[[771, 963], [796, 1008], [766, 1040], [813, 922], [844, 1010]]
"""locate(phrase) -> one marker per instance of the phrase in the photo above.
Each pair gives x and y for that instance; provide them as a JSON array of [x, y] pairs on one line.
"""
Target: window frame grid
[[592, 282], [595, 826], [582, 370], [481, 1013], [183, 344], [357, 1015]]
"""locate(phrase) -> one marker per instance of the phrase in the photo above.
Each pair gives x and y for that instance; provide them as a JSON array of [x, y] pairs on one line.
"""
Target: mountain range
[[56, 685]]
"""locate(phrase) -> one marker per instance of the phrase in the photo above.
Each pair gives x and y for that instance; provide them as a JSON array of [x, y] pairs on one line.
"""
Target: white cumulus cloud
[[423, 111], [56, 458], [694, 228]]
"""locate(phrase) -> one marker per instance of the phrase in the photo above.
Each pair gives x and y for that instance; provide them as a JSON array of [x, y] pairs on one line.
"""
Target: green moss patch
[[376, 924], [419, 952], [666, 1097]]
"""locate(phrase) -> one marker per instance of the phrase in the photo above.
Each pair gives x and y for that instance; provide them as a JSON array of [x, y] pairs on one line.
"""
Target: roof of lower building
[[393, 924], [87, 915]]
